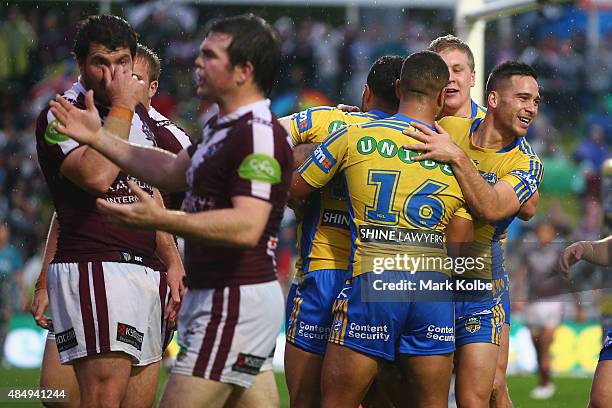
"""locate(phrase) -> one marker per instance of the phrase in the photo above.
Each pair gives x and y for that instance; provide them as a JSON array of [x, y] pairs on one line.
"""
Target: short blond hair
[[450, 42]]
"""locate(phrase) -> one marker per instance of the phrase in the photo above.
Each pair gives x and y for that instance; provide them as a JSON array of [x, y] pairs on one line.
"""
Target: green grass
[[571, 392]]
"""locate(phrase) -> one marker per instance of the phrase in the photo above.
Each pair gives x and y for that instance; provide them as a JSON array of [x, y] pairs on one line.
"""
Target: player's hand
[[348, 108], [177, 288], [84, 126], [571, 255], [437, 144], [122, 88], [144, 214], [40, 302]]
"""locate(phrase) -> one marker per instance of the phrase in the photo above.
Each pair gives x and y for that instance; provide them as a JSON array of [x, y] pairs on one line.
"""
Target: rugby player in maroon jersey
[[237, 179], [106, 301]]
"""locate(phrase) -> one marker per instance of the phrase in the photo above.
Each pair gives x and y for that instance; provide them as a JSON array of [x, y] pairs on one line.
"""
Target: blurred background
[[328, 47]]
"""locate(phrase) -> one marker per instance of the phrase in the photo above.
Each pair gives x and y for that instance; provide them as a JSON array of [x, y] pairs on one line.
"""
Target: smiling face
[[515, 104], [461, 80], [214, 72], [98, 57]]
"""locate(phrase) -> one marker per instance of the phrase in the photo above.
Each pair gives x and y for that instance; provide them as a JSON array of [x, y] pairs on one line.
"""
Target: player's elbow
[[527, 212], [96, 185]]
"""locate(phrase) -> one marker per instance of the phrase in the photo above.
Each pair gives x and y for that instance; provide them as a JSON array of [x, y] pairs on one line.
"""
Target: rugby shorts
[[386, 323], [229, 334], [606, 351], [544, 314], [480, 314], [309, 309], [101, 307]]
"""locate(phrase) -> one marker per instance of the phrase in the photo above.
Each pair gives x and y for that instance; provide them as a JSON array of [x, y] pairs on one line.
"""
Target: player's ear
[[398, 94], [153, 88], [245, 72], [492, 99], [441, 96], [367, 93], [473, 78]]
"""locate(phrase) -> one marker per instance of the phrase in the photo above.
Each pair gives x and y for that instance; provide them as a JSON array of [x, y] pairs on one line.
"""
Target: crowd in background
[[324, 63]]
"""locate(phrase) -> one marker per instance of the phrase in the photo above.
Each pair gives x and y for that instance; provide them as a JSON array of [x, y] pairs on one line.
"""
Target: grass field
[[571, 392]]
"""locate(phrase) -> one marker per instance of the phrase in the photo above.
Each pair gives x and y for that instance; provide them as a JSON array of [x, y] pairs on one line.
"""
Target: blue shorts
[[479, 317], [384, 323], [606, 351], [309, 309]]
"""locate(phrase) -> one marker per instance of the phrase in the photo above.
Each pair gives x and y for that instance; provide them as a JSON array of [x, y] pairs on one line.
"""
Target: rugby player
[[147, 67], [324, 237], [236, 178], [389, 194], [599, 253], [106, 301], [498, 172]]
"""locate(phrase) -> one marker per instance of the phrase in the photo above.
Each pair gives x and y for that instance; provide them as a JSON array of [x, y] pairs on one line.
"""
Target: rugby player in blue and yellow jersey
[[324, 241], [398, 209], [498, 173]]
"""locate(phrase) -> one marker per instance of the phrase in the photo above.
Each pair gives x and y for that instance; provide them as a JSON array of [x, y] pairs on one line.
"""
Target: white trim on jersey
[[180, 136], [263, 142], [67, 145]]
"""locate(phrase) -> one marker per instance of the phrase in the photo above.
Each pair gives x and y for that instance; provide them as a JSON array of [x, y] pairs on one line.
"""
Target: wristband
[[122, 113]]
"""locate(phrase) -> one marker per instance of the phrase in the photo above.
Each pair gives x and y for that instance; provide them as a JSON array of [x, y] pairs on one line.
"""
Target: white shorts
[[99, 307], [228, 334], [544, 314]]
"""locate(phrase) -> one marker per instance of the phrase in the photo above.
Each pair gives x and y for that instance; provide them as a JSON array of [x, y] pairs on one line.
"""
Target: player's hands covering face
[[144, 214]]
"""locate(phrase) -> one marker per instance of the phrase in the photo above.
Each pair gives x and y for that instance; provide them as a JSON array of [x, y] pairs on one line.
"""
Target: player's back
[[324, 240], [394, 201]]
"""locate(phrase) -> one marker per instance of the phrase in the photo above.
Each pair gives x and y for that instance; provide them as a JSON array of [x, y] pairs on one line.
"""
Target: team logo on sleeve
[[473, 324], [66, 340], [128, 334], [260, 167], [490, 177], [529, 179], [323, 158], [52, 136], [304, 120]]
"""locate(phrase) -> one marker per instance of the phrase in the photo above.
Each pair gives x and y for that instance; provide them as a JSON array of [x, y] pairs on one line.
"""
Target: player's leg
[[303, 376], [500, 397], [428, 379], [388, 389], [427, 343], [475, 370], [309, 317], [601, 390], [54, 375], [142, 386], [194, 392], [103, 378], [346, 376], [263, 393]]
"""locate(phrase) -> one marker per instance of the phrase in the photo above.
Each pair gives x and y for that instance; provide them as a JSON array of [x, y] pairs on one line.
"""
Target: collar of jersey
[[408, 119], [378, 113], [241, 111], [502, 150]]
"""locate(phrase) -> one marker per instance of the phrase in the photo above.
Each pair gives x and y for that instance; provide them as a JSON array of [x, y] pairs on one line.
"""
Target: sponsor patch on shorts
[[248, 364], [66, 340], [128, 334]]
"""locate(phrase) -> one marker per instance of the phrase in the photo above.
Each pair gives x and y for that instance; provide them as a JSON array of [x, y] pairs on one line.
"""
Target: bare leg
[[475, 370], [194, 392], [103, 379], [601, 390], [500, 398], [54, 375], [303, 376], [142, 386], [263, 393], [428, 378]]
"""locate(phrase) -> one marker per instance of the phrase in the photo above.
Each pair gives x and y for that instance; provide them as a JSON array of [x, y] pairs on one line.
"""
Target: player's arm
[[459, 234], [597, 252], [155, 166], [528, 210], [302, 152], [489, 203], [324, 162], [240, 226], [40, 301]]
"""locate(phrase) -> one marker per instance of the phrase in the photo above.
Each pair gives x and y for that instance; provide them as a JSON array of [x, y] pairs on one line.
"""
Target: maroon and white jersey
[[244, 153], [84, 233]]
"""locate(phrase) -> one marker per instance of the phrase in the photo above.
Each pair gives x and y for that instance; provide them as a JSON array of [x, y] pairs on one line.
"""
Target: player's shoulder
[[457, 122]]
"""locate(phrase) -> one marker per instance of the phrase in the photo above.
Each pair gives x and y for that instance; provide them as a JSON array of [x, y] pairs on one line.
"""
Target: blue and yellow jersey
[[323, 231], [396, 205], [478, 111], [515, 164]]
